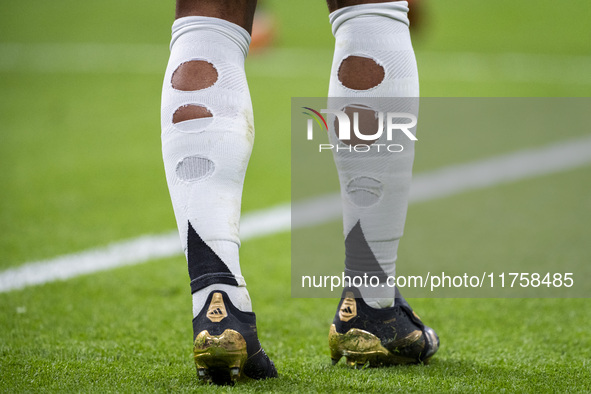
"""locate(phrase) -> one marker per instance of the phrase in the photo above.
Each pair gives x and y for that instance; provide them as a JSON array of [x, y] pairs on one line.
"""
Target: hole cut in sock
[[190, 111], [360, 73], [364, 191], [194, 168], [367, 122], [192, 118], [194, 75]]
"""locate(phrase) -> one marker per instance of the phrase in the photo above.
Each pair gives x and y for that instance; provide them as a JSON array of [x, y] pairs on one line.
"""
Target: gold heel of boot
[[222, 356]]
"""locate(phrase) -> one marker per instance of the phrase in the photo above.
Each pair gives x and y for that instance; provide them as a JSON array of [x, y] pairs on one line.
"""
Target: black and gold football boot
[[379, 337], [226, 346]]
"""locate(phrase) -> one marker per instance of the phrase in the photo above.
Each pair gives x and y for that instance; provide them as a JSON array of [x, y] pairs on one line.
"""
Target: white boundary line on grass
[[440, 183]]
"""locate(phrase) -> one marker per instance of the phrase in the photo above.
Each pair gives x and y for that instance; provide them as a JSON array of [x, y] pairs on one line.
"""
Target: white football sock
[[206, 156], [375, 186]]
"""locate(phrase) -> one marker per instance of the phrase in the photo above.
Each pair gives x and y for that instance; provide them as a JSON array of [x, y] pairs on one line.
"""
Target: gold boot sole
[[219, 357], [362, 348]]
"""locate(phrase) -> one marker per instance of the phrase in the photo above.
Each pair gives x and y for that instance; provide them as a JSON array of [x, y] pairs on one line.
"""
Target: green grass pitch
[[81, 167]]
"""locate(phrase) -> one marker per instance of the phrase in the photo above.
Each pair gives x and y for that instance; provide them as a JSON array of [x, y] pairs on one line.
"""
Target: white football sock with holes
[[206, 156], [375, 186]]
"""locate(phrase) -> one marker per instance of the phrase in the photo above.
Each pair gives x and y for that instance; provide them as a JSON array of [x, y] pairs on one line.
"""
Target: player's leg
[[207, 137], [239, 12], [374, 58]]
